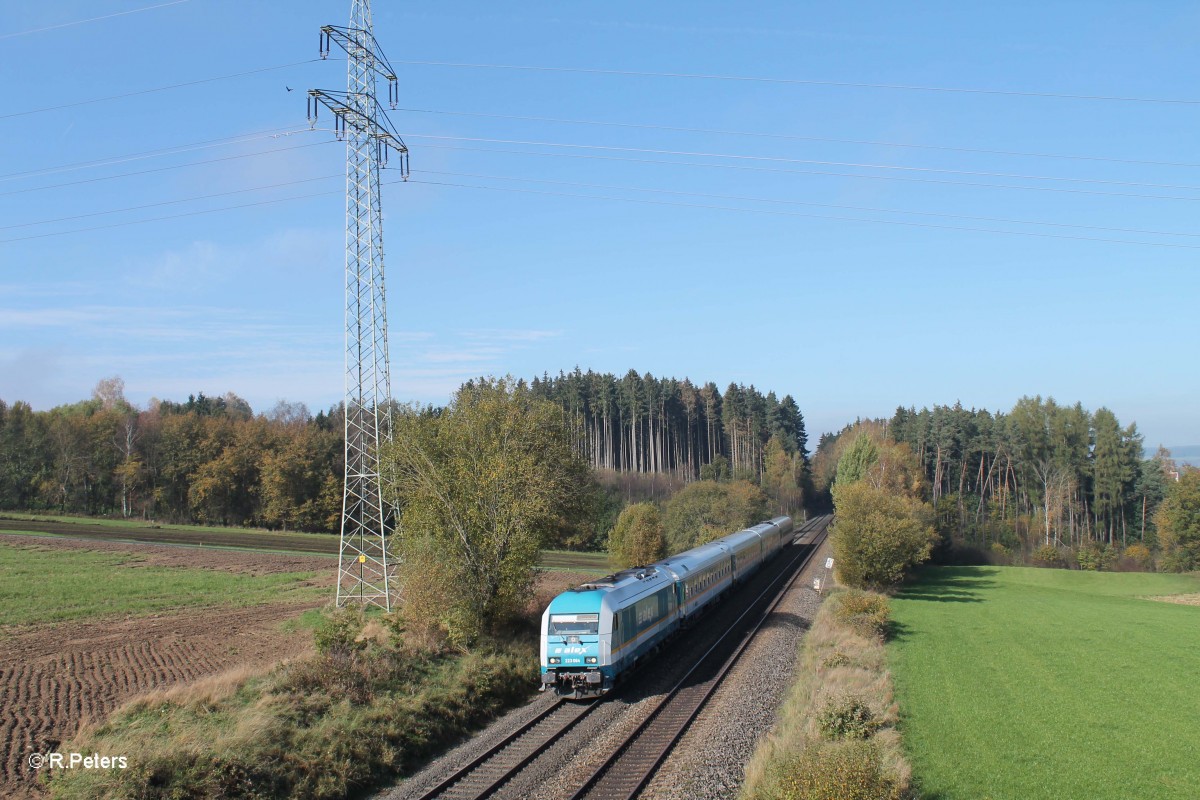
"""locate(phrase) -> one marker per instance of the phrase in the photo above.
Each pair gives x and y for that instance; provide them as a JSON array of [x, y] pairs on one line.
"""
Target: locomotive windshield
[[574, 624]]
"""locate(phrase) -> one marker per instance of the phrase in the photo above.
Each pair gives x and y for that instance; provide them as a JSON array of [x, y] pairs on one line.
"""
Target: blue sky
[[738, 269]]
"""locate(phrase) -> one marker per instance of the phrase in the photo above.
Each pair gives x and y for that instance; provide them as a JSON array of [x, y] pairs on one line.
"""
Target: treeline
[[208, 460], [213, 460], [639, 423], [1043, 470]]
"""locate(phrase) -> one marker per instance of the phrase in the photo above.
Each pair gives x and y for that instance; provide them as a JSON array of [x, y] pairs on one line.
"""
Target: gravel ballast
[[709, 762]]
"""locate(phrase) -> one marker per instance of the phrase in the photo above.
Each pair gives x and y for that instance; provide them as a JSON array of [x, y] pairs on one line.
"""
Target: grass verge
[[836, 736], [1042, 683], [362, 712], [62, 581]]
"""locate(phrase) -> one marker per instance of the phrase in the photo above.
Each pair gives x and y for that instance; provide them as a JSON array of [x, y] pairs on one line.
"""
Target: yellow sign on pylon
[[362, 559]]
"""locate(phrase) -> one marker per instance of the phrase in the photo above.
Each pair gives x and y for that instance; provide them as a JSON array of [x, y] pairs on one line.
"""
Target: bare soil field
[[54, 677]]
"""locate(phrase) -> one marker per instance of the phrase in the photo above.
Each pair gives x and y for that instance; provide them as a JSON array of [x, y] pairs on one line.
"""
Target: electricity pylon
[[364, 571]]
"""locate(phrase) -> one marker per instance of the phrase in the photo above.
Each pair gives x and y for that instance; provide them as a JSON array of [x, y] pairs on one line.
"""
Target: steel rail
[[462, 778], [676, 717]]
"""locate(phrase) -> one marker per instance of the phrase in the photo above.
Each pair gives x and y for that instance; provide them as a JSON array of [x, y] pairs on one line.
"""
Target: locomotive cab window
[[574, 624]]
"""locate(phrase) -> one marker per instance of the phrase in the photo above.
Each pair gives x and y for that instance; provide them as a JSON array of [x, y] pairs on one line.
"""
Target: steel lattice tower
[[364, 569]]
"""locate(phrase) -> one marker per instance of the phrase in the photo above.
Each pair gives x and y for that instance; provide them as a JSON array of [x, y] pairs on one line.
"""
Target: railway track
[[634, 761], [489, 771]]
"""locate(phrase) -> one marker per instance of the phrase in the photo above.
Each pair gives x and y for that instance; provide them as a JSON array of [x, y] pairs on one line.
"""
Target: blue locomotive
[[594, 633]]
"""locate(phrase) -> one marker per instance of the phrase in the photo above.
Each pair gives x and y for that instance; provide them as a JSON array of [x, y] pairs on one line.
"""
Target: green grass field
[[51, 585], [1034, 683], [256, 539]]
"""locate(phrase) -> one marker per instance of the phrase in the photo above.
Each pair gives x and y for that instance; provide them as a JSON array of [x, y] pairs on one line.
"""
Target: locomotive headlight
[[555, 660], [590, 660]]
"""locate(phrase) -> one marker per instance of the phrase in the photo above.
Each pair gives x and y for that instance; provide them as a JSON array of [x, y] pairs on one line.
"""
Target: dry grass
[[1180, 599], [205, 692], [363, 709], [837, 660]]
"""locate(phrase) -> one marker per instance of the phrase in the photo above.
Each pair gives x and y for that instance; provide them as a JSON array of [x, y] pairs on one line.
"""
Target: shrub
[[836, 659], [999, 554], [1096, 557], [846, 716], [337, 633], [637, 538], [867, 613], [1047, 556], [1179, 561], [878, 536], [1137, 557], [706, 510], [845, 770]]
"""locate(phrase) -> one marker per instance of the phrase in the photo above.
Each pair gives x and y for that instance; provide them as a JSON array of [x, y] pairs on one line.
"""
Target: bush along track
[[363, 711], [836, 737]]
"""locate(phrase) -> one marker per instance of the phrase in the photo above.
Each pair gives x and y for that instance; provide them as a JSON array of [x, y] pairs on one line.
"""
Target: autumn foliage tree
[[707, 510], [878, 536], [637, 538], [482, 483], [209, 459], [1178, 521], [883, 527]]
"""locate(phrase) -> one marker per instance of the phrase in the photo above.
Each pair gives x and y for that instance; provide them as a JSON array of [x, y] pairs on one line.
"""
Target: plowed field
[[55, 676]]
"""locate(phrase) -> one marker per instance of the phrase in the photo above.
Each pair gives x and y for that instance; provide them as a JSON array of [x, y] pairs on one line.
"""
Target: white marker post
[[819, 582]]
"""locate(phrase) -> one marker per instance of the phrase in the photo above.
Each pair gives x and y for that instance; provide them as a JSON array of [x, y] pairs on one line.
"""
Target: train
[[594, 633]]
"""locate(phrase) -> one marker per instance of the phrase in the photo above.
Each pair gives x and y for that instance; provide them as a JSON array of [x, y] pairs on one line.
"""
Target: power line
[[797, 138], [823, 173], [90, 19], [158, 89], [161, 169], [808, 82], [807, 216], [815, 162], [169, 202], [815, 205], [577, 184], [639, 201], [270, 133], [171, 216]]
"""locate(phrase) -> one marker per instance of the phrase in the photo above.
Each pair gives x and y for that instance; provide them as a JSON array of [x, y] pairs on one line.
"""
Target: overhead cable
[[809, 82], [90, 19], [823, 173], [158, 89], [798, 138], [812, 161]]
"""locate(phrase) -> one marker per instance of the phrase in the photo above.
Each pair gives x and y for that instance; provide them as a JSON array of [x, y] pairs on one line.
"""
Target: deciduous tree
[[482, 483], [637, 538]]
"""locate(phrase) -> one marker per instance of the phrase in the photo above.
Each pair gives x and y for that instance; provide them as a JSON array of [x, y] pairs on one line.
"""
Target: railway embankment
[[836, 734], [365, 708]]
